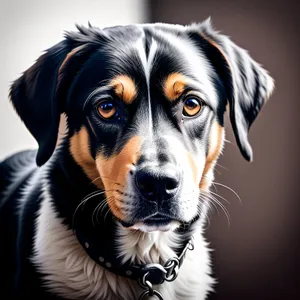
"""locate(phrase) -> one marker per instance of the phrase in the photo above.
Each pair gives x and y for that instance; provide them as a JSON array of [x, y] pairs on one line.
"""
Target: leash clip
[[150, 292]]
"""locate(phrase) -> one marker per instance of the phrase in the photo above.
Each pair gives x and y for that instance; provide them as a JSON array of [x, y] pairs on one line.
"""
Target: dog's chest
[[70, 273]]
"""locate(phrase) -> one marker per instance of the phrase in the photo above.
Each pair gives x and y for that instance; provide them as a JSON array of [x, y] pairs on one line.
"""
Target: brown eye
[[107, 109], [191, 107]]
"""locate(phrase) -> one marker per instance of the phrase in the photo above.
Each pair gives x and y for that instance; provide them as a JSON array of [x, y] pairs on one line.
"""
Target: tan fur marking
[[124, 88], [64, 63], [79, 148], [114, 172], [218, 48], [174, 86], [216, 140], [193, 166]]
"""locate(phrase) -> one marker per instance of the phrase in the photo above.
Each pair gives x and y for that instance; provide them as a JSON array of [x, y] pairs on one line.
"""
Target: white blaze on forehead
[[147, 66]]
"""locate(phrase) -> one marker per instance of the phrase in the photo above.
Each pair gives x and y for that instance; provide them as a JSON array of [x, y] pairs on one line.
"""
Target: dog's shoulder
[[19, 201], [15, 172], [13, 168]]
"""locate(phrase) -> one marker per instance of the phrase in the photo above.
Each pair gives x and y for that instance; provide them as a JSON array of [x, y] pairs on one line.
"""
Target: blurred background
[[29, 27], [256, 256]]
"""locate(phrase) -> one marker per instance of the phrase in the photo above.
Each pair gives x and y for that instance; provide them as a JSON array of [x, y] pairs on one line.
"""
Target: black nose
[[158, 183]]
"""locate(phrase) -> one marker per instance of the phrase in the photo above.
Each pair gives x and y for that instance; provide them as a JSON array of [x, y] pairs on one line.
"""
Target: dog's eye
[[107, 109], [191, 106]]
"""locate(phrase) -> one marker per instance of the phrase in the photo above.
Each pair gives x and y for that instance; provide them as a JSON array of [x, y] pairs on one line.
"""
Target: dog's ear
[[33, 96], [247, 84], [37, 95]]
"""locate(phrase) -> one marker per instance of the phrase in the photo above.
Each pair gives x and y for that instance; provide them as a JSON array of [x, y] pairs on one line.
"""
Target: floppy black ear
[[33, 95], [39, 94], [247, 84]]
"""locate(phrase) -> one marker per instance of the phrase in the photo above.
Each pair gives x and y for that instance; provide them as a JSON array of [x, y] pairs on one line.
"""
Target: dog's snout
[[158, 183]]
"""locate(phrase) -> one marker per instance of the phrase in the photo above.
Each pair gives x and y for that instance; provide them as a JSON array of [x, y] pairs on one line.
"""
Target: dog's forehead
[[151, 57], [151, 53], [154, 50]]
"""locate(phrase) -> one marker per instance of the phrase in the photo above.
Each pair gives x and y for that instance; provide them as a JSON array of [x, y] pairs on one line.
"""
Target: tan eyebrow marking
[[174, 86], [124, 88]]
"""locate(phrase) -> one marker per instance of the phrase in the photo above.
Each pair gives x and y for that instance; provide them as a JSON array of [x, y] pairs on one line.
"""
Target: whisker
[[217, 195], [221, 205], [217, 171], [98, 208], [209, 203], [203, 212], [84, 200], [92, 194], [208, 219], [104, 204], [100, 177], [105, 216], [230, 189], [101, 204], [217, 164], [109, 200], [214, 183]]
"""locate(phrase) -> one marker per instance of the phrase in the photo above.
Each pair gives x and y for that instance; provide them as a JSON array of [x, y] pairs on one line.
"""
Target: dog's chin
[[152, 224], [144, 227]]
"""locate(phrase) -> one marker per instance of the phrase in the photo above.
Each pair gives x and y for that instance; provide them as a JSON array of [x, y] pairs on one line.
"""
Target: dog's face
[[145, 108], [151, 107]]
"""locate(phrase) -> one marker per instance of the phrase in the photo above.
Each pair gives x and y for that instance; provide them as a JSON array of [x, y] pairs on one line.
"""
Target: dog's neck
[[76, 198]]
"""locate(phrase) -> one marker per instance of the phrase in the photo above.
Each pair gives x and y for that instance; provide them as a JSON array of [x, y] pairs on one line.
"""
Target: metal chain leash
[[168, 272]]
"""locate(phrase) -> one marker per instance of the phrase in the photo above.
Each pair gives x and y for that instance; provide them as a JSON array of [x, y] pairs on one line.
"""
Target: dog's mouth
[[156, 222]]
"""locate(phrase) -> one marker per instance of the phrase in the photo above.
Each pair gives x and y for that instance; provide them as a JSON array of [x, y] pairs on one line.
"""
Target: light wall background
[[29, 27]]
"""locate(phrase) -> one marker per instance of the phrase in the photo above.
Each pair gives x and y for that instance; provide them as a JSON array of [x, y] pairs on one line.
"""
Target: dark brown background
[[257, 256]]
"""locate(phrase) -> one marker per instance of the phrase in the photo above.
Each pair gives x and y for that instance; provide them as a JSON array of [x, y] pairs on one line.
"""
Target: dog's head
[[145, 109]]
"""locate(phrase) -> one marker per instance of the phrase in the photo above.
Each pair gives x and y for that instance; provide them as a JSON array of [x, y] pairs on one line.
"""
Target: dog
[[115, 209]]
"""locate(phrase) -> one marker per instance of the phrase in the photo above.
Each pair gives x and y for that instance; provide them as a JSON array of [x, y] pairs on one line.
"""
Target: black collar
[[153, 272]]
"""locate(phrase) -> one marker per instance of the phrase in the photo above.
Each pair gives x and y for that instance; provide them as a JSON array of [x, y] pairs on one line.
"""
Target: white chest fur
[[69, 271]]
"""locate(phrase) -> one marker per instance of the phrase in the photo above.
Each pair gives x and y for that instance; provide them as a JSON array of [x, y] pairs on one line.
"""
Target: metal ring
[[172, 265], [143, 281], [150, 288], [169, 263], [174, 274], [156, 294], [191, 245], [174, 262]]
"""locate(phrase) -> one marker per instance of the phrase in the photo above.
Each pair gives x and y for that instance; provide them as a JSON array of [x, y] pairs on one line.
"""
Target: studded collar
[[157, 273]]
